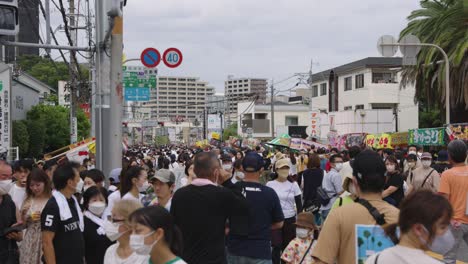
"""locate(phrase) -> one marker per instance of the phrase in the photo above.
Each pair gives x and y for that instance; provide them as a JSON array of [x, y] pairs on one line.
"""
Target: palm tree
[[441, 22]]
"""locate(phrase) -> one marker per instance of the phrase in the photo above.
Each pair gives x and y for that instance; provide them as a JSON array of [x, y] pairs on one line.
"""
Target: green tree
[[161, 140], [56, 120], [229, 131], [20, 137], [37, 135], [441, 22]]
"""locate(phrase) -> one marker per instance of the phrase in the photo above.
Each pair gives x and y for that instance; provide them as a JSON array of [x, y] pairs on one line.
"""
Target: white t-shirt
[[129, 196], [18, 194], [286, 192], [292, 168], [402, 255], [111, 200], [111, 257]]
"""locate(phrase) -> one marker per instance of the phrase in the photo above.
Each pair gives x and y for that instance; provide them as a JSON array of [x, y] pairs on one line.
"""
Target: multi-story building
[[179, 98], [362, 86], [243, 89]]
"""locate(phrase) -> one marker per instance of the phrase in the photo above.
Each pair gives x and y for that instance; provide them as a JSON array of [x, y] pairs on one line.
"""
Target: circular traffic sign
[[172, 57], [150, 57]]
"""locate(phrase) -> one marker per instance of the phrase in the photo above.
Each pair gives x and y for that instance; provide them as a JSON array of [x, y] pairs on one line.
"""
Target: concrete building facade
[[239, 90]]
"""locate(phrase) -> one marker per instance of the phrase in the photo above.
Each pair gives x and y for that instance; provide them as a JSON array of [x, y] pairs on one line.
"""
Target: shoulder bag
[[379, 218], [427, 177]]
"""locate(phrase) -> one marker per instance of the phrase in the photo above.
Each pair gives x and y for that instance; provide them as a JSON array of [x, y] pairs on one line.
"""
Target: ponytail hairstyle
[[156, 217], [435, 207], [126, 182]]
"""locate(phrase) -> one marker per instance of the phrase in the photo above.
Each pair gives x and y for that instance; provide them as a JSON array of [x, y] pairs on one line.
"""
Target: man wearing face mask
[[410, 165], [332, 183], [454, 186], [8, 247], [424, 177], [62, 221], [227, 163]]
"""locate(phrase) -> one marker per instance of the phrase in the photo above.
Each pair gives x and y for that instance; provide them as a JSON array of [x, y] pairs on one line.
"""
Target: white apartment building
[[243, 89], [360, 86], [182, 98], [289, 119]]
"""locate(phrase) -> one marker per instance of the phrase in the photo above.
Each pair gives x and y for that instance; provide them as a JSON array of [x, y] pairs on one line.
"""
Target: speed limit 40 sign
[[172, 57]]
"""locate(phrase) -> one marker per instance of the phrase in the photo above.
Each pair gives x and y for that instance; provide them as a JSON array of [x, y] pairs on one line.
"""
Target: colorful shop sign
[[426, 137], [457, 131]]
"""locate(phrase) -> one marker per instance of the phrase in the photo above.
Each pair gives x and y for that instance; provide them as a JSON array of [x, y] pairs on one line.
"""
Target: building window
[[291, 121], [314, 91], [383, 77], [323, 89], [346, 108], [359, 81], [348, 83], [359, 107]]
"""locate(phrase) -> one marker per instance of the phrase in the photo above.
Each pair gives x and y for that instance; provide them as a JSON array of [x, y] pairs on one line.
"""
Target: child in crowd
[[299, 250]]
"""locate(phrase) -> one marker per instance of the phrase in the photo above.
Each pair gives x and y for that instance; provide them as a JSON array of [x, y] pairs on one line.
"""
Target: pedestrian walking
[[163, 186], [394, 182], [423, 225], [299, 250], [38, 192], [454, 186], [135, 183], [337, 240], [155, 235], [332, 184], [424, 177], [312, 180]]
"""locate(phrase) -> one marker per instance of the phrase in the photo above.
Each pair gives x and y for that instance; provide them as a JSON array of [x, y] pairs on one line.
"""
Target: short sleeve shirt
[[337, 242], [296, 250], [454, 183], [286, 192], [68, 240]]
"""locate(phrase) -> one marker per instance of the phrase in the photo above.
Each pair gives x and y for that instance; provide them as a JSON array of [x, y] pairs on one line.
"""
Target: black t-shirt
[[395, 180], [7, 219], [68, 241], [264, 210], [95, 244], [201, 213], [266, 163], [312, 180]]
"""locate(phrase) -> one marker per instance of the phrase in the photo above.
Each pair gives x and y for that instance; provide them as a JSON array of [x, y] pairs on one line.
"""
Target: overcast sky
[[261, 38]]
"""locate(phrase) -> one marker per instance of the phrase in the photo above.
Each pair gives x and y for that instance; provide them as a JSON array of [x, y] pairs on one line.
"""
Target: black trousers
[[286, 234]]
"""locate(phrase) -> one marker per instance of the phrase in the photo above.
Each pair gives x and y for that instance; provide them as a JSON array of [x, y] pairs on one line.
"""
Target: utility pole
[[395, 112], [74, 86], [47, 20], [272, 109], [204, 122]]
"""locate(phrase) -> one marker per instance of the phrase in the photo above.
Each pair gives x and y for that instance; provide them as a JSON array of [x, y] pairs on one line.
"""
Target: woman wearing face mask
[[300, 249], [118, 229], [393, 192], [96, 242], [134, 183], [289, 195], [155, 235], [38, 192], [238, 174], [424, 177], [423, 226]]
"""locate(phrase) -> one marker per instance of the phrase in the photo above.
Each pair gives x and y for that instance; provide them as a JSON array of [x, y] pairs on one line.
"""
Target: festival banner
[[296, 143], [457, 131], [426, 136], [354, 139], [399, 138], [370, 139]]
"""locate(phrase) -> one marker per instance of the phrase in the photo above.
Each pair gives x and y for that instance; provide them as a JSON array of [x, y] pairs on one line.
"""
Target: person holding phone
[[8, 237], [38, 192]]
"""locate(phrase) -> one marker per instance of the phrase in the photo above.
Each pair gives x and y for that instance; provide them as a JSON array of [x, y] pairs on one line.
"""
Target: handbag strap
[[379, 218], [427, 177], [307, 251], [376, 258]]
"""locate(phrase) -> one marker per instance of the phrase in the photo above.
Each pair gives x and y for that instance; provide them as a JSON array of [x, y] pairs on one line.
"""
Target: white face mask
[[143, 187], [79, 186], [240, 175], [426, 163], [227, 167], [112, 230], [137, 243], [97, 208], [338, 166], [412, 152], [5, 186], [302, 232], [283, 174]]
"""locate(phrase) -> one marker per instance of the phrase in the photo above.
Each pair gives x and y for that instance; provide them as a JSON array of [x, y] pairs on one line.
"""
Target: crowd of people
[[176, 204]]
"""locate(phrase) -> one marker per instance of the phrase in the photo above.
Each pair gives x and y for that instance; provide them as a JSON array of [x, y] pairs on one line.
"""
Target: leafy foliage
[[161, 140], [37, 135], [441, 22], [21, 137], [229, 131]]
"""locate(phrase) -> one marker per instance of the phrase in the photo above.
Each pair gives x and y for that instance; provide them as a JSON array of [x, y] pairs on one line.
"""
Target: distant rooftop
[[370, 62]]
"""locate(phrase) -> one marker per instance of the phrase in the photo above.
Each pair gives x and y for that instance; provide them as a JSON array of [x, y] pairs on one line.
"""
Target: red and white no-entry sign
[[172, 57]]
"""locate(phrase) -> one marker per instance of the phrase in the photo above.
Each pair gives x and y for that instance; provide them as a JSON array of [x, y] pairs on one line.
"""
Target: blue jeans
[[246, 260]]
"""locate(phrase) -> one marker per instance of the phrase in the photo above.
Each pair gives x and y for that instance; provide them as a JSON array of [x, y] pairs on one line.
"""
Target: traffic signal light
[[9, 24]]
